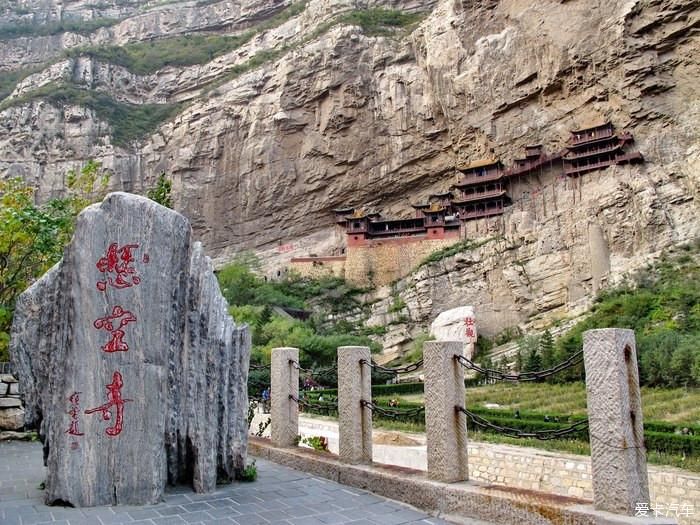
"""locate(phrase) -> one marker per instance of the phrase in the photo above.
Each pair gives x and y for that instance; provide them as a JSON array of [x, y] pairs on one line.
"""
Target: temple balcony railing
[[592, 152], [481, 213], [575, 170], [479, 196], [476, 179], [396, 231], [533, 164], [582, 138]]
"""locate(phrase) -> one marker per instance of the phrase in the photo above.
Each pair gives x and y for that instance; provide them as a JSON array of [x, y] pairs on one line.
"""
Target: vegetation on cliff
[[128, 122], [661, 303]]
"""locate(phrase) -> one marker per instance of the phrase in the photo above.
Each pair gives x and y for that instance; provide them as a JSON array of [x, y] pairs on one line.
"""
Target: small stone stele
[[129, 362], [456, 324]]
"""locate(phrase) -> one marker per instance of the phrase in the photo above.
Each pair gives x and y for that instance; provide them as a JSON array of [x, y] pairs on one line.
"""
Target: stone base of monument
[[460, 502], [11, 409]]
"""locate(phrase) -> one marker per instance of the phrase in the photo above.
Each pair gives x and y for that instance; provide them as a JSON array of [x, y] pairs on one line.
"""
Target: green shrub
[[161, 192], [249, 473], [318, 443]]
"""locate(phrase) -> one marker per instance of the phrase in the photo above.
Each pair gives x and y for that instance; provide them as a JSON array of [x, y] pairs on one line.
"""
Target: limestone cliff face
[[333, 117]]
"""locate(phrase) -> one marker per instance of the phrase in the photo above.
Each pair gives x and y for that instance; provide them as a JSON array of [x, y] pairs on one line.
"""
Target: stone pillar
[[618, 457], [284, 412], [445, 428], [354, 420]]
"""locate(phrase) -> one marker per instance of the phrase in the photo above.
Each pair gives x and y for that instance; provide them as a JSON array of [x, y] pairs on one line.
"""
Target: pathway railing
[[614, 423]]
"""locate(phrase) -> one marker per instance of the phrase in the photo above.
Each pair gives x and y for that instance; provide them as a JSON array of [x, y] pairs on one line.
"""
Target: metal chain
[[252, 366], [391, 413], [396, 371], [517, 433], [327, 407], [312, 371], [574, 360]]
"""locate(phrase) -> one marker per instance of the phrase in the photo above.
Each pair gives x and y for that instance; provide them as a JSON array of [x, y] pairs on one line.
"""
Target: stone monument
[[129, 362], [457, 324]]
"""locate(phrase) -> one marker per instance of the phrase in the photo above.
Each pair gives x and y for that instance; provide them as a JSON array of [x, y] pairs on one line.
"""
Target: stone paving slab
[[279, 496]]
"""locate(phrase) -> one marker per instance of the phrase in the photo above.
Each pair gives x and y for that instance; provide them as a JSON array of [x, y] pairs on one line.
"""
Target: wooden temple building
[[481, 189], [432, 221], [596, 148]]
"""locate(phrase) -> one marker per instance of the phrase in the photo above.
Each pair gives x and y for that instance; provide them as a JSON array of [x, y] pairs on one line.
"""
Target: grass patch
[[9, 31], [454, 249], [129, 122], [10, 79], [380, 22]]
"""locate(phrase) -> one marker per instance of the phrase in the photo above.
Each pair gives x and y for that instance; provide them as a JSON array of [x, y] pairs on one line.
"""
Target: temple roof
[[592, 127], [478, 164], [443, 194]]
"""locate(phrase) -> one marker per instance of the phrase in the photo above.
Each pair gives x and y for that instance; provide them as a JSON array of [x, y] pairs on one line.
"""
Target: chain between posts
[[326, 407], [574, 360], [392, 413], [322, 370], [396, 371], [252, 366], [517, 433]]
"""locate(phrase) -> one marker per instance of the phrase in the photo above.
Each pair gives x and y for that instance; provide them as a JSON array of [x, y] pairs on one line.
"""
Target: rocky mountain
[[269, 114]]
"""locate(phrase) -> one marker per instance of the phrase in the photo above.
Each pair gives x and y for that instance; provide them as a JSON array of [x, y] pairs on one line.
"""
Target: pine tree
[[546, 348]]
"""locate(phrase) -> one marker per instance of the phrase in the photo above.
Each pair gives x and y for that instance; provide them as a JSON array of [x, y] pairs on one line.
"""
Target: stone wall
[[11, 411], [382, 262], [570, 475], [316, 267], [523, 467]]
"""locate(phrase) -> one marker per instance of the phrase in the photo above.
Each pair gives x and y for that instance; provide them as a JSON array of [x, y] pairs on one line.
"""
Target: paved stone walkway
[[279, 496]]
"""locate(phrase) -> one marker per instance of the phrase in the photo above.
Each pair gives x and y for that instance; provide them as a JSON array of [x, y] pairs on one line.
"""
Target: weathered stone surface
[[615, 423], [354, 420], [133, 308], [284, 382], [11, 418], [445, 429], [10, 402]]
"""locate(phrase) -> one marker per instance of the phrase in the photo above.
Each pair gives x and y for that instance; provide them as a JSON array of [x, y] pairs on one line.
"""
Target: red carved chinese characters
[[74, 413], [116, 344], [114, 400], [117, 267], [469, 322]]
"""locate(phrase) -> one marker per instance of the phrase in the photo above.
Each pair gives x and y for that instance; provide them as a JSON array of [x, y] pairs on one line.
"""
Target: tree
[[32, 236], [161, 192], [546, 348]]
